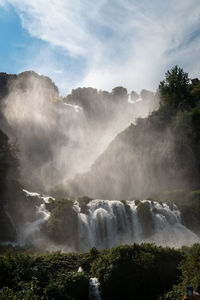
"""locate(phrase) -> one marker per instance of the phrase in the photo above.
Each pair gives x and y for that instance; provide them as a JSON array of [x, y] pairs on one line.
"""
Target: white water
[[9, 216], [42, 197], [94, 293], [109, 223], [13, 225], [30, 231]]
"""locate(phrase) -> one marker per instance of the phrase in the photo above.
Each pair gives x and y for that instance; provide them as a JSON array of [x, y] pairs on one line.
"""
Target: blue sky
[[102, 43]]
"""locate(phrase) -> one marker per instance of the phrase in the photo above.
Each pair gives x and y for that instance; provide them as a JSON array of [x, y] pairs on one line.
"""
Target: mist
[[60, 137], [144, 161], [97, 145]]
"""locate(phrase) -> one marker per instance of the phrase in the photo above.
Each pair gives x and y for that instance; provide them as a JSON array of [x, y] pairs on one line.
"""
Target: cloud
[[3, 3], [119, 42]]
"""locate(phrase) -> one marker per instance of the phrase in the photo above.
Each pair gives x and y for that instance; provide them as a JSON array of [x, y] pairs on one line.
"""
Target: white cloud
[[3, 3], [123, 42]]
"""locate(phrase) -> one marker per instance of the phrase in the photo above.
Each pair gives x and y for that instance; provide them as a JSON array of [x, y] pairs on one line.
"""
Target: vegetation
[[156, 154], [83, 201], [175, 90], [167, 145], [125, 272], [189, 269], [61, 227], [8, 171], [143, 271], [189, 205]]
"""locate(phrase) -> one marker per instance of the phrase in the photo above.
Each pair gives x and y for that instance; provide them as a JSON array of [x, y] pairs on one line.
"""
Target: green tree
[[175, 89]]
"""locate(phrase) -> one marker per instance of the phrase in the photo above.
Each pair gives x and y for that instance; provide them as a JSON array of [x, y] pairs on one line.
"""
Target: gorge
[[116, 180]]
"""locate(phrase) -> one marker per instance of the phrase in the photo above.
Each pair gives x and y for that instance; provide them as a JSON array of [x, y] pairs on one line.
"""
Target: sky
[[100, 43]]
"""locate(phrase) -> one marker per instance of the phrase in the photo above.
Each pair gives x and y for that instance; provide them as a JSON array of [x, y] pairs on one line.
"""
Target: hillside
[[156, 154], [54, 135]]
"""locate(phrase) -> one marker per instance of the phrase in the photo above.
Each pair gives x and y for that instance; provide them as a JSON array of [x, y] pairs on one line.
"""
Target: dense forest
[[140, 271], [155, 158]]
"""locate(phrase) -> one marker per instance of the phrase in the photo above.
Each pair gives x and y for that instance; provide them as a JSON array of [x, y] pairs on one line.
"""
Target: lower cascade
[[109, 223], [94, 293], [106, 224]]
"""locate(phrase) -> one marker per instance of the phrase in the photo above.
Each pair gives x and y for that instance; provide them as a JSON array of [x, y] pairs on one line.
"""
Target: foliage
[[83, 201], [190, 270], [88, 258], [189, 205], [156, 154], [49, 276], [144, 271], [61, 227], [174, 91], [136, 271]]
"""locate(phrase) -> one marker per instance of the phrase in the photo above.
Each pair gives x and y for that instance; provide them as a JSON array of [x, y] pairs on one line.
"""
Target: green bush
[[190, 270], [139, 272]]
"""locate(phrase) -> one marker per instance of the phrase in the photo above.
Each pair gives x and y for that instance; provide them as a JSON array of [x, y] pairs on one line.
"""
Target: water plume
[[58, 138]]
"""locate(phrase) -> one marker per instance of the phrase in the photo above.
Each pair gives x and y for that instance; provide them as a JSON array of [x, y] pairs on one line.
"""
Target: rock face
[[145, 217], [22, 82], [7, 232], [61, 227], [29, 115], [60, 137], [17, 210]]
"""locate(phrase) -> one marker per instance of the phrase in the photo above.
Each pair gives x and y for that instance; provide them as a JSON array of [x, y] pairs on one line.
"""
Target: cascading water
[[94, 293], [29, 231], [108, 223]]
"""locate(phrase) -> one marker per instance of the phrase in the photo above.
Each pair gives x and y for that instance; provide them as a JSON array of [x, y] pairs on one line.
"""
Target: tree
[[175, 89], [120, 92]]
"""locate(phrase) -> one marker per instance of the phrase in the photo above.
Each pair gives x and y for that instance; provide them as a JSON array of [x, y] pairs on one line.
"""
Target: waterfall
[[109, 223], [169, 231], [104, 225], [30, 231], [42, 197], [94, 293], [6, 210], [9, 216]]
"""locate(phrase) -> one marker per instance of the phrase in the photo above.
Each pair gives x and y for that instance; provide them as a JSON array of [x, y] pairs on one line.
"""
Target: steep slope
[[142, 161], [156, 154], [60, 137]]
